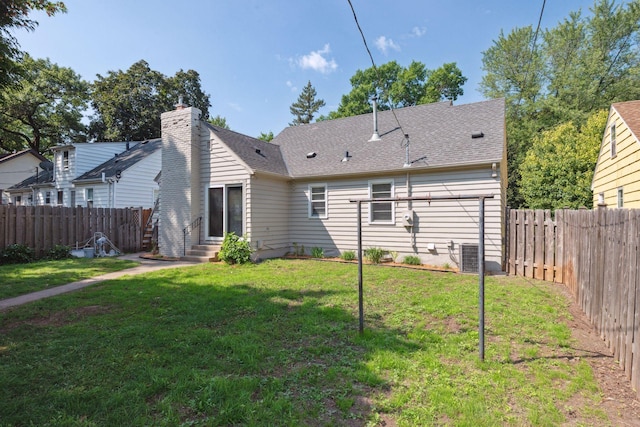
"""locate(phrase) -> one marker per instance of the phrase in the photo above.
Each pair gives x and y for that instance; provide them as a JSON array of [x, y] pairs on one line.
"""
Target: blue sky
[[254, 56]]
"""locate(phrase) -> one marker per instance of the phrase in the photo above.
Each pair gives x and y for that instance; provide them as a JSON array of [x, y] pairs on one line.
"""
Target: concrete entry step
[[202, 253]]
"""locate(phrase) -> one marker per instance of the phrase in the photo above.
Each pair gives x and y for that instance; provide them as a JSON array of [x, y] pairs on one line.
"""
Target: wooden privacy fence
[[43, 227], [596, 254]]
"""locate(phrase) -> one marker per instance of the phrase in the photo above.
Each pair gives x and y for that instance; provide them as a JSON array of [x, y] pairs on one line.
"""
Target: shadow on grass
[[172, 348]]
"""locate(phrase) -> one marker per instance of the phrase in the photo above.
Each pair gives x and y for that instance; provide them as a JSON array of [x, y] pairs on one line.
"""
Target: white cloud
[[317, 61], [418, 31], [291, 86], [384, 44]]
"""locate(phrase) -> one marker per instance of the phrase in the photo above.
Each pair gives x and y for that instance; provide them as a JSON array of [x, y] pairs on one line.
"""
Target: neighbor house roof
[[10, 156], [122, 161], [630, 112], [259, 155], [440, 135], [42, 179]]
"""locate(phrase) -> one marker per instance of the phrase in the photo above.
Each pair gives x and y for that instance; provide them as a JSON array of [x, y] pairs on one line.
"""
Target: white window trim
[[613, 144], [393, 205], [310, 204], [620, 197]]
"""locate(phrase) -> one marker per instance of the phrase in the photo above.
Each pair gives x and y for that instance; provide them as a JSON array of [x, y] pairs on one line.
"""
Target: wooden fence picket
[[43, 227]]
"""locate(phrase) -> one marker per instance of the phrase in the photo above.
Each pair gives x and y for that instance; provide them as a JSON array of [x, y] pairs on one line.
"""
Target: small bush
[[317, 252], [59, 252], [17, 254], [235, 249], [375, 255], [298, 250], [348, 255], [412, 260]]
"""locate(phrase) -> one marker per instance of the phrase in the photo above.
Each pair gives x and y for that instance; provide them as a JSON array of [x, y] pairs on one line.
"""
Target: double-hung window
[[381, 212], [318, 201]]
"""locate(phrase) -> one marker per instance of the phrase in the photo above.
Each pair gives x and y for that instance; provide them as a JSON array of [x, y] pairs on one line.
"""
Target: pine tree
[[306, 106]]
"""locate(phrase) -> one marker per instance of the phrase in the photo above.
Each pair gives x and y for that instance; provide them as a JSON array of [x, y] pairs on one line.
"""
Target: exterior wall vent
[[468, 258]]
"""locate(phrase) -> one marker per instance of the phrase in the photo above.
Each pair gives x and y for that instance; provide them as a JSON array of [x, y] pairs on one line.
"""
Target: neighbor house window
[[17, 200], [620, 198], [381, 212], [65, 159], [89, 197], [47, 197], [72, 202], [60, 197], [612, 135], [30, 200], [318, 201]]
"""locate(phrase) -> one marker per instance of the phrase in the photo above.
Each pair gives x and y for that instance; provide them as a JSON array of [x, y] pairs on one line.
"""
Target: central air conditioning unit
[[468, 258]]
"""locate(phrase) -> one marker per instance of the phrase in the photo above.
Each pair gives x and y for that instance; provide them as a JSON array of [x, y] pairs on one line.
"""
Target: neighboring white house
[[125, 180], [296, 191], [100, 174], [15, 168]]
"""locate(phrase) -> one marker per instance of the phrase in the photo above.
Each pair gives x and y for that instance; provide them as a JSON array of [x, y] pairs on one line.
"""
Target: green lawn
[[20, 279], [277, 344]]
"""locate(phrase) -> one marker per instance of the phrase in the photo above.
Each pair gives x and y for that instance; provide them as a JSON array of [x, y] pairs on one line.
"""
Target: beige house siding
[[621, 171], [220, 168], [268, 219], [437, 223]]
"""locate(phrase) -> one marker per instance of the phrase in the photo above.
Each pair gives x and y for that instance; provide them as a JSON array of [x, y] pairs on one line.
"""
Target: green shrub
[[348, 255], [59, 252], [317, 252], [375, 255], [17, 254], [298, 250], [412, 260], [235, 249]]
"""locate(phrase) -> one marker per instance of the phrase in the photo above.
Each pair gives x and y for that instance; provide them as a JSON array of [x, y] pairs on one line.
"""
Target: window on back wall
[[89, 197], [612, 136], [60, 197], [65, 159], [381, 212], [318, 201], [47, 197], [620, 197]]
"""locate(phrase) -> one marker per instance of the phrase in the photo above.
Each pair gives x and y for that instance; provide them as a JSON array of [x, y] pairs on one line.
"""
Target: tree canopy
[[14, 14], [128, 103], [396, 86], [306, 106], [44, 109], [558, 168], [580, 66]]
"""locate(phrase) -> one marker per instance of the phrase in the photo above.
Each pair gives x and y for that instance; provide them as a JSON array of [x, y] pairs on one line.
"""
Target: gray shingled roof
[[42, 178], [259, 155], [440, 136], [122, 161]]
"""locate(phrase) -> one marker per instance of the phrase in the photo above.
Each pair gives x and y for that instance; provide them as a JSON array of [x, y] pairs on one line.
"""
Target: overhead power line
[[375, 68]]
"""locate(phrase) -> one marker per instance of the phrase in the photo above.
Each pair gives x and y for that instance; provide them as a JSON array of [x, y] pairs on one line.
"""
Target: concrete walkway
[[145, 266]]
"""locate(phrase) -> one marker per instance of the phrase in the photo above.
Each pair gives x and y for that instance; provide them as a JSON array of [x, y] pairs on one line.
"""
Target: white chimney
[[375, 136]]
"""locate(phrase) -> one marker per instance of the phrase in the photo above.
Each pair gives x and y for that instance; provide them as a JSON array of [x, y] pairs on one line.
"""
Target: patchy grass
[[20, 279], [277, 344]]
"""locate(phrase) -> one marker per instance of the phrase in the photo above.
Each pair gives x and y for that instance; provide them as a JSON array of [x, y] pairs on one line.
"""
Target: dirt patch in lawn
[[58, 318], [619, 400]]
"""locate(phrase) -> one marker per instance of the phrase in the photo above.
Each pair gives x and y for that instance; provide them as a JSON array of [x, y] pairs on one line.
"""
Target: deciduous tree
[[44, 108], [396, 86], [128, 103], [558, 168], [14, 14]]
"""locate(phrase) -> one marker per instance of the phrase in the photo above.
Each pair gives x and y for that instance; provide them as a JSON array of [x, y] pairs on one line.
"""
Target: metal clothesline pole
[[481, 257]]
